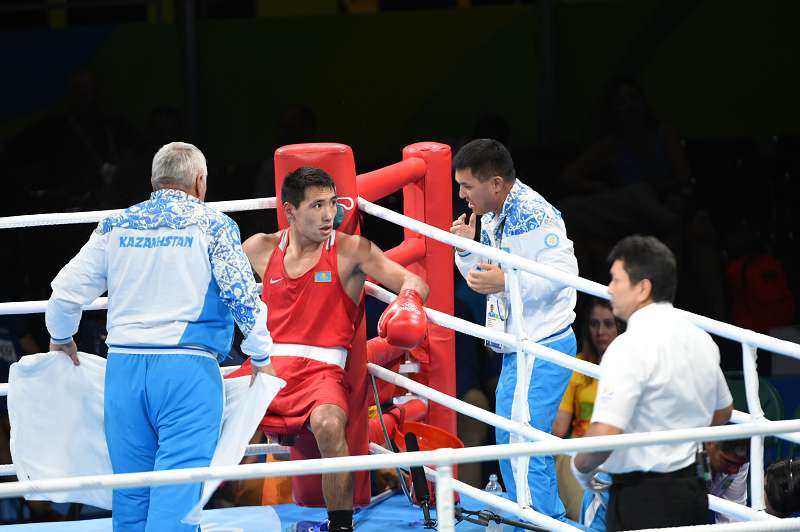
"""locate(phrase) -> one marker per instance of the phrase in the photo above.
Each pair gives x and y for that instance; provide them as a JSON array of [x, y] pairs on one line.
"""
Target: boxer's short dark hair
[[293, 189]]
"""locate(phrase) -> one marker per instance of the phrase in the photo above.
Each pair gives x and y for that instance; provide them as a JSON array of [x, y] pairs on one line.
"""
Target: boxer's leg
[[328, 423]]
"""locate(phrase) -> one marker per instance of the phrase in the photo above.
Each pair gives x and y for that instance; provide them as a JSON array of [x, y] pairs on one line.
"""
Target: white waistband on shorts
[[329, 355]]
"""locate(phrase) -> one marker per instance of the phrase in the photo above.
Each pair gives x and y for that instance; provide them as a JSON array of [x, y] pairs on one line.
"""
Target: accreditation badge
[[496, 317]]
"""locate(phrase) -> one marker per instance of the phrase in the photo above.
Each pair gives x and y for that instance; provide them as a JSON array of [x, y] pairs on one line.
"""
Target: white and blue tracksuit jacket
[[176, 277], [528, 226]]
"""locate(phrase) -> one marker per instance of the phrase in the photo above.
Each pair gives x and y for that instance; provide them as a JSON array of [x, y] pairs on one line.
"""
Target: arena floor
[[393, 514]]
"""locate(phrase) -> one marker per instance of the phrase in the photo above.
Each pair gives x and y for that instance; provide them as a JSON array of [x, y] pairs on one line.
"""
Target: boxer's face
[[481, 196], [313, 218]]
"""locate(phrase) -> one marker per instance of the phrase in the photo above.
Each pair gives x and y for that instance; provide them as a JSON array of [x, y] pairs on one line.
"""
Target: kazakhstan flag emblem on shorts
[[322, 277]]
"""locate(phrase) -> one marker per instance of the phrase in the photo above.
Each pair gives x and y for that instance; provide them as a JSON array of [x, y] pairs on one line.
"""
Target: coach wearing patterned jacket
[[177, 279], [519, 220]]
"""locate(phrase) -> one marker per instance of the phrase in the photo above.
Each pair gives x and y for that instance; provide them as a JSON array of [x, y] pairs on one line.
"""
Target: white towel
[[56, 415]]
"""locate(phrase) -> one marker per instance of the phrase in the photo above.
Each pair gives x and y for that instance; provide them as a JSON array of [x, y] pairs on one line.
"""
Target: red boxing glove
[[404, 323]]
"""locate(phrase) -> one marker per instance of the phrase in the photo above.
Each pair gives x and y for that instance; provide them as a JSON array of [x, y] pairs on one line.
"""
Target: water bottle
[[493, 487]]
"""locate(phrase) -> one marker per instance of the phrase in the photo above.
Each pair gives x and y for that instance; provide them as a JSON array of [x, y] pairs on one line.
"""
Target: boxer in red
[[313, 285]]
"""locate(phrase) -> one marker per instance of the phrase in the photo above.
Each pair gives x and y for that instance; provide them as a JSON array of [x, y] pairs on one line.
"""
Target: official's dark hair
[[293, 189], [782, 487], [485, 158], [646, 257]]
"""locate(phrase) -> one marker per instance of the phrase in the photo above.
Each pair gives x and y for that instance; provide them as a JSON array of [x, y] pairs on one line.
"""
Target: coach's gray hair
[[176, 165]]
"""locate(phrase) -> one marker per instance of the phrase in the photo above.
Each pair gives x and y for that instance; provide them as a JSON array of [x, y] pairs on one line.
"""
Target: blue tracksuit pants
[[547, 386], [161, 412]]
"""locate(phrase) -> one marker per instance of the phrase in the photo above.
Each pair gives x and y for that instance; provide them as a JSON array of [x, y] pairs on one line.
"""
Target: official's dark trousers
[[655, 500]]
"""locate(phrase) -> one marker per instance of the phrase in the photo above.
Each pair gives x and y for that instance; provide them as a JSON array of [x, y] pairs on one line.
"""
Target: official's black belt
[[634, 477]]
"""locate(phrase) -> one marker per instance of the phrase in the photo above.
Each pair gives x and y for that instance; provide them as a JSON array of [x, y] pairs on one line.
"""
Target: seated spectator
[[782, 488], [635, 167], [635, 178], [730, 464], [576, 407], [575, 411]]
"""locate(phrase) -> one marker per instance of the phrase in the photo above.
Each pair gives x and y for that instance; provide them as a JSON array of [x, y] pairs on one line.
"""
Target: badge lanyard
[[497, 304]]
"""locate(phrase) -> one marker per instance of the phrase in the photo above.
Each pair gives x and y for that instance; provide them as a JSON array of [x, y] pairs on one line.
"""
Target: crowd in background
[[721, 205]]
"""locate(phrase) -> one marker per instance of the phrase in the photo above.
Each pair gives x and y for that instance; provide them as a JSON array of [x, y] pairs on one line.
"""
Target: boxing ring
[[411, 174]]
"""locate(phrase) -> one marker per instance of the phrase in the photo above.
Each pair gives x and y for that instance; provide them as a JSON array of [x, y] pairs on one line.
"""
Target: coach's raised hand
[[463, 228]]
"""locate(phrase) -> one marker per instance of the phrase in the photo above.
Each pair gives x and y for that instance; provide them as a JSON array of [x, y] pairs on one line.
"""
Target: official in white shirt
[[662, 373]]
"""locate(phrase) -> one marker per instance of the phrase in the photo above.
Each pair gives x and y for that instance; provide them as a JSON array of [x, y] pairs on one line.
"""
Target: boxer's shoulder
[[350, 244], [259, 248], [355, 248], [261, 243]]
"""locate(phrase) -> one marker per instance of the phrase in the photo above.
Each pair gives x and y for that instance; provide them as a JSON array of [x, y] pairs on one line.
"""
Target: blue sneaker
[[308, 526]]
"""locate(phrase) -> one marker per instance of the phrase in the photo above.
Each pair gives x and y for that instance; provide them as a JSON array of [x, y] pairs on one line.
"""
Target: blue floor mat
[[392, 514]]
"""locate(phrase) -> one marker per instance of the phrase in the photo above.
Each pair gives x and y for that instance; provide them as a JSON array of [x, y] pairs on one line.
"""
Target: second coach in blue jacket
[[177, 279], [519, 220]]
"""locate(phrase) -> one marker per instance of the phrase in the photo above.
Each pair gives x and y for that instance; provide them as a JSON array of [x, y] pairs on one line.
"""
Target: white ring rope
[[590, 287], [749, 339], [494, 501], [729, 508], [359, 463], [258, 449], [466, 327], [38, 307], [460, 406], [64, 218], [508, 340], [761, 526], [717, 504], [739, 512], [746, 337], [479, 331], [726, 330]]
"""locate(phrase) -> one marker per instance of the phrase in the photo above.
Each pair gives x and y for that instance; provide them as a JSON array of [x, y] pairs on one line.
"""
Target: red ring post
[[430, 200]]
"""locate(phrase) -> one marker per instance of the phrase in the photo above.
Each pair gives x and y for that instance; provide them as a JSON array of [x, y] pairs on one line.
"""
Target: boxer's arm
[[372, 262], [403, 323]]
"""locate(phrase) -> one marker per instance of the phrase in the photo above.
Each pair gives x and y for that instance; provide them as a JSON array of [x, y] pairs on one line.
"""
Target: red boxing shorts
[[309, 384]]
